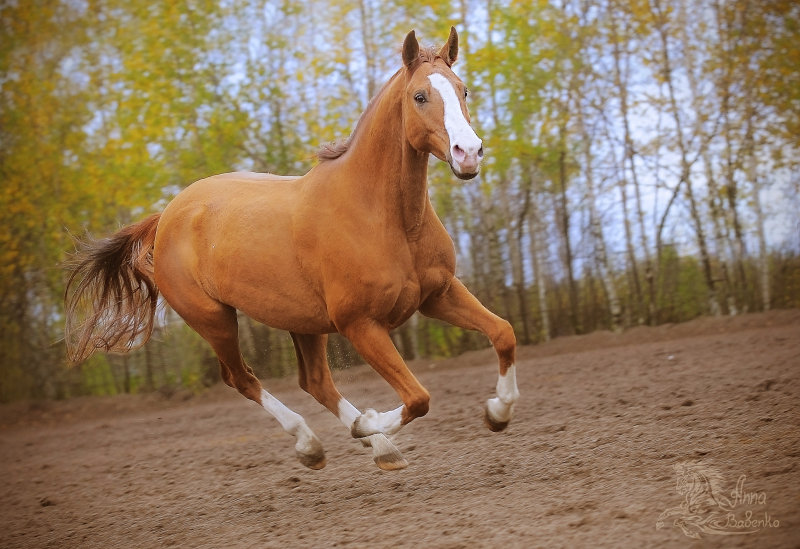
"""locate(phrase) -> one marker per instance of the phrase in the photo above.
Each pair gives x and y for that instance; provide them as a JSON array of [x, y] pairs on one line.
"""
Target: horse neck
[[386, 168]]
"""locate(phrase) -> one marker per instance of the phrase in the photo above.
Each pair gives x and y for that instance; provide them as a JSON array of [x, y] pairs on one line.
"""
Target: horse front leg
[[373, 343], [315, 379], [459, 307]]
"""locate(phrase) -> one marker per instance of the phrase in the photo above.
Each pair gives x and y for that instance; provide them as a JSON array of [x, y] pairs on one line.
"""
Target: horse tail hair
[[111, 295]]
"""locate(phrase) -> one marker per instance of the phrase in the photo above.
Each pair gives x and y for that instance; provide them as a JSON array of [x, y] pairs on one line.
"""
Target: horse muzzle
[[466, 162]]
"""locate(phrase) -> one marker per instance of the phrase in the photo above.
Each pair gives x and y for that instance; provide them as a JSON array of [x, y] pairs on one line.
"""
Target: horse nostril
[[458, 153], [480, 152]]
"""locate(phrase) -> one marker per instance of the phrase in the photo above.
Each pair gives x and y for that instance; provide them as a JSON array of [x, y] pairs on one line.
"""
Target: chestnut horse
[[354, 247]]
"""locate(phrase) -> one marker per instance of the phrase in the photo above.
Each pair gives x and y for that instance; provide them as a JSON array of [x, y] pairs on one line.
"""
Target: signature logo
[[706, 509]]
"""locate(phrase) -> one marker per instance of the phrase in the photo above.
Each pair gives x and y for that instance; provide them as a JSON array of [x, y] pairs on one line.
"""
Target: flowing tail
[[111, 295]]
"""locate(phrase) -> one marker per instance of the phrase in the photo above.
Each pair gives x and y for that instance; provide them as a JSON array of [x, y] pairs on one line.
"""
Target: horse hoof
[[312, 461], [310, 453], [385, 454], [493, 425], [391, 462]]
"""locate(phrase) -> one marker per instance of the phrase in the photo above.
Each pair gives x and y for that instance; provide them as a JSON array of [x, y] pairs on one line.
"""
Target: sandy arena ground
[[587, 462]]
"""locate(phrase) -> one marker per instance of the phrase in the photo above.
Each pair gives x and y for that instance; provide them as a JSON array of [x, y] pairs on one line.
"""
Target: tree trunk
[[563, 225], [629, 165], [369, 56], [514, 237], [726, 258], [686, 164], [596, 228], [536, 234], [763, 256]]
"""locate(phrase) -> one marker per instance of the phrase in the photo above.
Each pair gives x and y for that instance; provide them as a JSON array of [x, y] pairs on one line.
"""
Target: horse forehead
[[447, 87], [444, 74], [428, 69]]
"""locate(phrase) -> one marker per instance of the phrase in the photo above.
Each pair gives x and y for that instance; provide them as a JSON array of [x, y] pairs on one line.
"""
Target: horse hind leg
[[218, 325], [225, 374], [315, 379]]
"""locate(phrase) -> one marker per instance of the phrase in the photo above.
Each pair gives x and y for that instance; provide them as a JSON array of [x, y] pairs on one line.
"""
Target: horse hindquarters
[[217, 323]]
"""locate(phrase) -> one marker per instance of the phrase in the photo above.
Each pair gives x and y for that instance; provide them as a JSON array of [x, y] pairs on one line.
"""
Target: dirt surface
[[588, 461]]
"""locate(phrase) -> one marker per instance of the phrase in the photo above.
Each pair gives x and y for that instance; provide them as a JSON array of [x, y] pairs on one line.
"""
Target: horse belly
[[293, 315], [268, 285]]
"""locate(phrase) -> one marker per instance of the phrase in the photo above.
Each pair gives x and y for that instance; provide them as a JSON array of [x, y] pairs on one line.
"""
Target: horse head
[[435, 111]]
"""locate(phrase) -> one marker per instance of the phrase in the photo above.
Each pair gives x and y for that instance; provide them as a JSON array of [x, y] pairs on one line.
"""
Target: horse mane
[[336, 148]]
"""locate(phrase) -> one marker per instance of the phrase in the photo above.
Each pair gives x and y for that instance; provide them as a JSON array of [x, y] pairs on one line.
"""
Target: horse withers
[[354, 247]]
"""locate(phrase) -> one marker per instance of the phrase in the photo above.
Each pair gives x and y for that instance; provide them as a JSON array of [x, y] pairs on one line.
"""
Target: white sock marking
[[381, 446], [289, 420], [502, 407], [371, 421], [292, 422], [347, 413], [381, 422]]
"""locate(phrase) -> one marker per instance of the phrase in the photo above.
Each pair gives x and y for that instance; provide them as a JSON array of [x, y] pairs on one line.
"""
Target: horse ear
[[410, 50], [449, 51]]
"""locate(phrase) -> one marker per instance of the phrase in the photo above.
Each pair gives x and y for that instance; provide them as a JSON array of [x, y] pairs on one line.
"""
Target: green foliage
[[682, 292], [109, 108], [97, 377], [785, 269]]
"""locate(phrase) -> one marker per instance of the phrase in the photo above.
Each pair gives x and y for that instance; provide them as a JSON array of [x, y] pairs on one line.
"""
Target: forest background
[[641, 165]]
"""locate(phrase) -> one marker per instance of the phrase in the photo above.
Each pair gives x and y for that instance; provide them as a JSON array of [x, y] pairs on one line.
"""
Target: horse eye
[[420, 98], [466, 93]]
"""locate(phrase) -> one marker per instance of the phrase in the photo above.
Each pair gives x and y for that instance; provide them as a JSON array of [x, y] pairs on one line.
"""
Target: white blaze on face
[[465, 145]]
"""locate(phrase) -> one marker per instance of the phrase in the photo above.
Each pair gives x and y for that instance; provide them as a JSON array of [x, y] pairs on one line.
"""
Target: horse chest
[[413, 288], [435, 263], [433, 279]]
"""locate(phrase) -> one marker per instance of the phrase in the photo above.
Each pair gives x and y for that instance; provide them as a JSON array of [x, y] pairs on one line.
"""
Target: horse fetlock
[[500, 409], [372, 422], [364, 425]]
